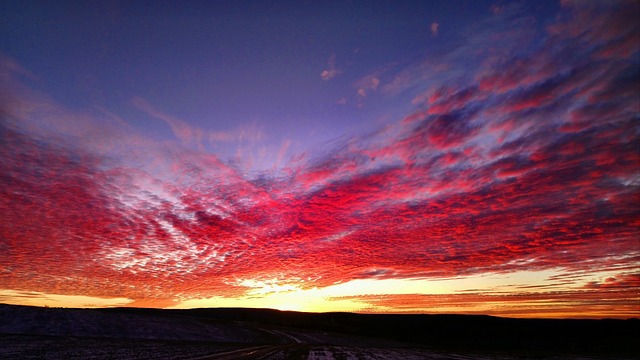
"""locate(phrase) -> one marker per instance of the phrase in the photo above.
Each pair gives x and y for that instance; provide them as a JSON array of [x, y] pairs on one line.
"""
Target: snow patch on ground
[[321, 354]]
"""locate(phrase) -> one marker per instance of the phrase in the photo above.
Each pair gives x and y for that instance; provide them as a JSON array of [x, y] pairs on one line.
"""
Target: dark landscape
[[133, 333]]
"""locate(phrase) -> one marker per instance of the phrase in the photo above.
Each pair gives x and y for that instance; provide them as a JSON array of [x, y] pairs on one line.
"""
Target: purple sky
[[254, 67]]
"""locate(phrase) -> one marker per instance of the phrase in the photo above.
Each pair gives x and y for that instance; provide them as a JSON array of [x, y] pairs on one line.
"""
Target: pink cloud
[[367, 84], [435, 28], [189, 134], [181, 129], [332, 71]]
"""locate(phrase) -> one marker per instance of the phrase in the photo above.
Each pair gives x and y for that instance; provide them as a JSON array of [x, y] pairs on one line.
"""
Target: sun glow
[[391, 295], [288, 307], [495, 294], [35, 298]]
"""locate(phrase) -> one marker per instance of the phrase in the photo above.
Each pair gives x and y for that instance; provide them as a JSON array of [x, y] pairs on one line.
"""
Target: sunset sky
[[473, 157]]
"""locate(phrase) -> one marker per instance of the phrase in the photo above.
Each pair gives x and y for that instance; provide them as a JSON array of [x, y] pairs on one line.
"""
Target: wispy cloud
[[187, 133], [366, 86], [331, 71], [435, 28], [192, 135]]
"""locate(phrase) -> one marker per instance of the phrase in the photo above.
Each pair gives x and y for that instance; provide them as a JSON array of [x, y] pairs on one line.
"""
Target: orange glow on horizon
[[501, 297]]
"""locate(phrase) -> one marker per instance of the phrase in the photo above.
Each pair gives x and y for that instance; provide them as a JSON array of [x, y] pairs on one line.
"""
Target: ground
[[40, 333]]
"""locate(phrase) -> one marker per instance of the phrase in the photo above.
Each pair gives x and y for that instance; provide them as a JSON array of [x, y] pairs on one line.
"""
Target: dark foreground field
[[125, 333]]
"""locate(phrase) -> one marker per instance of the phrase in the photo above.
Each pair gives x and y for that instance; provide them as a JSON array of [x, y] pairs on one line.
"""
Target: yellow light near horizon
[[34, 298], [345, 296], [376, 296], [288, 307]]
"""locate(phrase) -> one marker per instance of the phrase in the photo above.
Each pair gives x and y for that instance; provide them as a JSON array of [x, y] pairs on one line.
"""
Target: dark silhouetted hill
[[446, 332]]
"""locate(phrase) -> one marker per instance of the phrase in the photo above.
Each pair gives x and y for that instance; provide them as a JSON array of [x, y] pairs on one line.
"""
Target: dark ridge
[[445, 332], [472, 332]]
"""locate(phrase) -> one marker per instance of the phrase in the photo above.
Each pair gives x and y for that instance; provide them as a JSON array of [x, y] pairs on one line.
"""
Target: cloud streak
[[191, 135], [435, 28], [332, 71]]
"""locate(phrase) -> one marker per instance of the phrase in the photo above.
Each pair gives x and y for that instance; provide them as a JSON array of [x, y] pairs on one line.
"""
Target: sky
[[470, 157]]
